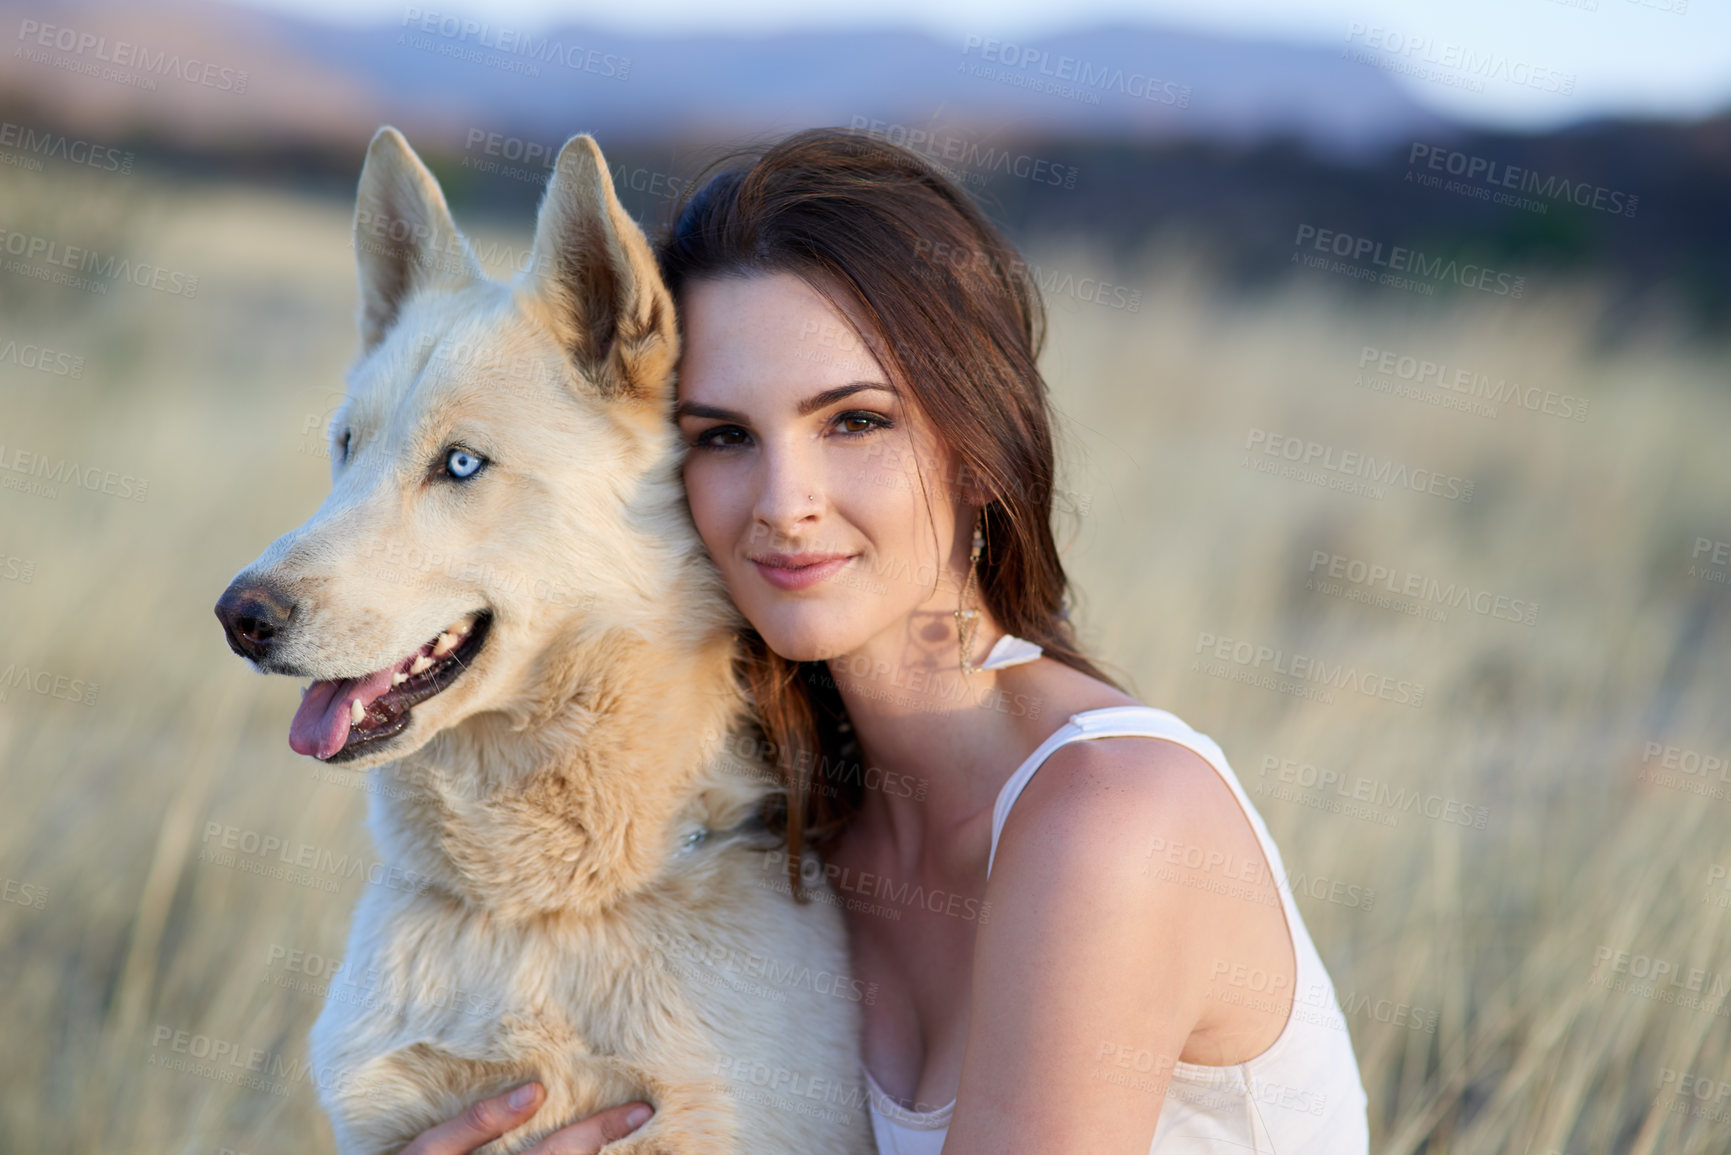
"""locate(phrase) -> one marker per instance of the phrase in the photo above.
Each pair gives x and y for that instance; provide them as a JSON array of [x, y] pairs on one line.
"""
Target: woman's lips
[[789, 574]]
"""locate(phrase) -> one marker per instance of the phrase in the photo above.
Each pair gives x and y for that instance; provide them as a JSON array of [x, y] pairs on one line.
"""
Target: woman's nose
[[790, 489]]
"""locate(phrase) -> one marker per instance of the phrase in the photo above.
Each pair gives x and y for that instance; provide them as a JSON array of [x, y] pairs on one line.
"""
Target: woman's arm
[[1090, 972]]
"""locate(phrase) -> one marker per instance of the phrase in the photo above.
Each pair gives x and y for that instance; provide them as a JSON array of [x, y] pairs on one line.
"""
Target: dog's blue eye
[[462, 464]]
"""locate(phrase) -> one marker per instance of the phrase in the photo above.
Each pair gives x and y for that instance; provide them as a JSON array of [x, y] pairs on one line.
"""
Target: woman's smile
[[798, 571]]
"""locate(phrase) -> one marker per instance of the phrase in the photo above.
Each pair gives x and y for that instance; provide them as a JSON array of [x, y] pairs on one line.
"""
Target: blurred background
[[1477, 687]]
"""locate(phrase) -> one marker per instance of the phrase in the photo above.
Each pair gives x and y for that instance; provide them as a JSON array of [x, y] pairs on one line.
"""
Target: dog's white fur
[[558, 927]]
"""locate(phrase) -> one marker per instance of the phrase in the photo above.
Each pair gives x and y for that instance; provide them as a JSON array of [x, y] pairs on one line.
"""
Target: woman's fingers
[[484, 1121], [488, 1119], [590, 1135]]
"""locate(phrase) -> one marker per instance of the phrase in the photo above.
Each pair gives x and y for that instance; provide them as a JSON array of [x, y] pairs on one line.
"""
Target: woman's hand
[[490, 1118]]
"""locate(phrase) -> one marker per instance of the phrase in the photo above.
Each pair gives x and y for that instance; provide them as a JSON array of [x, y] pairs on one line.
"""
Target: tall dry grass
[[1489, 939]]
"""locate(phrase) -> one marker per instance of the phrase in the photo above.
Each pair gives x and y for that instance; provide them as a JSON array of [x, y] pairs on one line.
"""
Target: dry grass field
[[1505, 823]]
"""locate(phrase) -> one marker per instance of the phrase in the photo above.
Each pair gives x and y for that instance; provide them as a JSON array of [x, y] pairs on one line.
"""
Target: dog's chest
[[434, 969]]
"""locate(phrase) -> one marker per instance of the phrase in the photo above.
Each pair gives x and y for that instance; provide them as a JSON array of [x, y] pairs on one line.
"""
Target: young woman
[[1102, 956]]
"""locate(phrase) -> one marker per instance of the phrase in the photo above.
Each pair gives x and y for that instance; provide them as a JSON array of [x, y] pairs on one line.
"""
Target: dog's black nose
[[251, 614]]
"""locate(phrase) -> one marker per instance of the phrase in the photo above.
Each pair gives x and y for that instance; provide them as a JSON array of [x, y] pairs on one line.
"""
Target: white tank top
[[1301, 1096]]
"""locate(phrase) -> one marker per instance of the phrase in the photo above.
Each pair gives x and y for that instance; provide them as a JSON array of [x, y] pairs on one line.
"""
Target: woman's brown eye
[[712, 438], [872, 421]]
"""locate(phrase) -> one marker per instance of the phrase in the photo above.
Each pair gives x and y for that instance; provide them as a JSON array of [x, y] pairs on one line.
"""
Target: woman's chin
[[808, 642]]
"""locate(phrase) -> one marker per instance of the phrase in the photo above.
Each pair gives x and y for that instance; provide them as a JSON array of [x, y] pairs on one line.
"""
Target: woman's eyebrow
[[805, 409], [830, 396], [693, 409]]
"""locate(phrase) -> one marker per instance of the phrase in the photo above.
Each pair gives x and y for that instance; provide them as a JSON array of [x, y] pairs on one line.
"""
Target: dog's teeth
[[356, 712], [305, 688], [399, 678], [445, 643], [421, 662]]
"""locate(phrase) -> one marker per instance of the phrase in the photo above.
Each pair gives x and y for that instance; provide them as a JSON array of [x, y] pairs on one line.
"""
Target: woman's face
[[803, 481]]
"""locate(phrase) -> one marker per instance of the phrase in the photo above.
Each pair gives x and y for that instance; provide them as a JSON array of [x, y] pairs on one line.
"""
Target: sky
[[1574, 58]]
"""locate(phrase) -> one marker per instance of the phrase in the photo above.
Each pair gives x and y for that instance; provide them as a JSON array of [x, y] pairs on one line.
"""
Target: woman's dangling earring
[[968, 617]]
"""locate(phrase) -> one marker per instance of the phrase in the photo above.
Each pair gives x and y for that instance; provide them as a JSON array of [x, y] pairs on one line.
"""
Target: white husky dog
[[503, 598]]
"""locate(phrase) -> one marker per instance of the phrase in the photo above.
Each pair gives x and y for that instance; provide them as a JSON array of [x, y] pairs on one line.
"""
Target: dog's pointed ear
[[593, 269], [405, 239]]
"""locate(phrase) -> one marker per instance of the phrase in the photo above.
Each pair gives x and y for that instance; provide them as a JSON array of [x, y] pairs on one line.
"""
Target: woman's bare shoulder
[[1144, 782]]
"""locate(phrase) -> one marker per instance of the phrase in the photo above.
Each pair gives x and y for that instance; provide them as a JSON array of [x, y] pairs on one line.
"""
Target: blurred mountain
[[1122, 133], [309, 82]]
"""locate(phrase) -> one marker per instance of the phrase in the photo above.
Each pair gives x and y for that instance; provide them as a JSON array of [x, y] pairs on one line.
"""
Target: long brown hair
[[956, 321]]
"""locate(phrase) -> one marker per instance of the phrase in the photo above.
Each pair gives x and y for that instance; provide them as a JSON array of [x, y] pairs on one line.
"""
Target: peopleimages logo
[[975, 159], [1400, 259], [1348, 465], [1458, 65], [1374, 578], [58, 471], [1038, 69], [1487, 172], [41, 358], [48, 259], [46, 683], [518, 50], [89, 47], [1293, 672], [1394, 800], [1421, 372], [57, 145]]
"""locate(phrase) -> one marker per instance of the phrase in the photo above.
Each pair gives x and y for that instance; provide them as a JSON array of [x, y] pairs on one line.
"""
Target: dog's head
[[504, 475]]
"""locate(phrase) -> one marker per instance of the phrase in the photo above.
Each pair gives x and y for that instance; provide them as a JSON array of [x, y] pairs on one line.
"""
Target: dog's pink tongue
[[321, 724]]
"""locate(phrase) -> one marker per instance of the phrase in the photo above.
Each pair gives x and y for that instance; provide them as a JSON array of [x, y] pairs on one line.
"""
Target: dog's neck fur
[[583, 801]]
